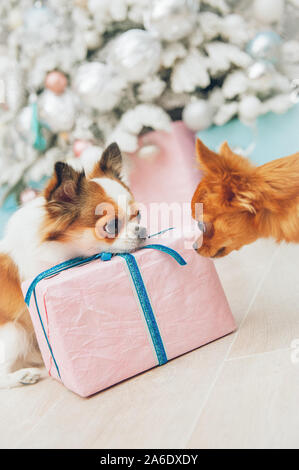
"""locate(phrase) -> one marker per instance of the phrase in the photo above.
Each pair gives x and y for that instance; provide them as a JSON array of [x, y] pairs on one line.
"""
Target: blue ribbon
[[138, 284]]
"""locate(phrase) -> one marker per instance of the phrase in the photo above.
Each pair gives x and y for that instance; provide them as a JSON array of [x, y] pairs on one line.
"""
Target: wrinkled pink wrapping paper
[[97, 330]]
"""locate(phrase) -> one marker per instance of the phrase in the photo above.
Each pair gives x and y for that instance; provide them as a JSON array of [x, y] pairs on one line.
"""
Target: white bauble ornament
[[98, 85], [198, 115], [250, 107], [136, 54], [171, 19], [57, 111], [268, 11]]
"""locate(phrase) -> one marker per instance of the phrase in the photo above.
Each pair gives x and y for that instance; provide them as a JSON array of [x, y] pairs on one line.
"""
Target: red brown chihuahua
[[242, 202]]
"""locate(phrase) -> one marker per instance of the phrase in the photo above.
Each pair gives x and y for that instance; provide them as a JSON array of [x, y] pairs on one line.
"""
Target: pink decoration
[[56, 81], [79, 146]]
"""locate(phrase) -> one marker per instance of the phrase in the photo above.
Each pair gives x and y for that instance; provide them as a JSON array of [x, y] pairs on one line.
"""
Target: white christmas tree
[[76, 75]]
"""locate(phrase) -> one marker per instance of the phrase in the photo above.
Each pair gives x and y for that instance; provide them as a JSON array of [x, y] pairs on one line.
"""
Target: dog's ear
[[242, 193], [111, 161], [234, 162], [238, 182], [110, 164], [225, 161], [63, 200], [209, 161], [65, 186]]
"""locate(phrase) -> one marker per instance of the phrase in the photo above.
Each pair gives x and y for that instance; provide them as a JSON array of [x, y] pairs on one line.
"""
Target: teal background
[[276, 135], [5, 212], [11, 205]]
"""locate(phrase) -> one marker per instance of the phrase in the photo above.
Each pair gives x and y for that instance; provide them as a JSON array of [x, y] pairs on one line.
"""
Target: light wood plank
[[273, 320], [242, 271], [254, 404], [22, 409], [155, 409]]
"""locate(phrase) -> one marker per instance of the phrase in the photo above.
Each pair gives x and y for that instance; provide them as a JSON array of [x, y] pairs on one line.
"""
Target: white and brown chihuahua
[[78, 214]]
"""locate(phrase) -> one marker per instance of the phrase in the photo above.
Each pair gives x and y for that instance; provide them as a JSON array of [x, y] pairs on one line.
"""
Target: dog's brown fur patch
[[12, 305]]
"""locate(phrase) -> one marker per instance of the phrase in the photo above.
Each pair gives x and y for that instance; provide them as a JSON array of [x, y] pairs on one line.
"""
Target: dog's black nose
[[142, 232], [195, 246]]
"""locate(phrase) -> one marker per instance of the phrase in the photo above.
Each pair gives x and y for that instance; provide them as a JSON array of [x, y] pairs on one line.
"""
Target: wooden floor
[[240, 391]]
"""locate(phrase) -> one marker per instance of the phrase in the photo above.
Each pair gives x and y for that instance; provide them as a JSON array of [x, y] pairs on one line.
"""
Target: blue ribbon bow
[[138, 284]]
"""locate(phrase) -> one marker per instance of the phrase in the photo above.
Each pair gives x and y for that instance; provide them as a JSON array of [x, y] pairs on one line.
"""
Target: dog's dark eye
[[202, 226], [113, 226]]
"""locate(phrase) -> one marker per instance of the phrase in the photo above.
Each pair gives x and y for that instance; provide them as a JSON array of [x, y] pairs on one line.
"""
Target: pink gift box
[[97, 330]]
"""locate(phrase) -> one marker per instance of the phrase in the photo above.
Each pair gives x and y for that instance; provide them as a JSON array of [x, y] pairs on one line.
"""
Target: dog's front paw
[[29, 376]]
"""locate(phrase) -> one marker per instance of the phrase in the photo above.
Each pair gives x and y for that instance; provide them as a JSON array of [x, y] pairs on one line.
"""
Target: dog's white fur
[[22, 243]]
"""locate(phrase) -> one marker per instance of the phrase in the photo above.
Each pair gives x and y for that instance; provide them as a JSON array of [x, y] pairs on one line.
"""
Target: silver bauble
[[265, 45], [57, 111], [99, 85], [136, 54], [198, 115], [171, 19]]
